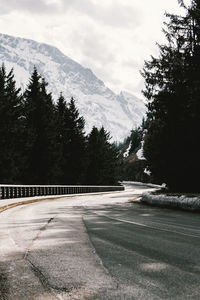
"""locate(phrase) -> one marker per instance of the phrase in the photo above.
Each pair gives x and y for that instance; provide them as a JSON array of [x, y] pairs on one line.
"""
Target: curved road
[[99, 247]]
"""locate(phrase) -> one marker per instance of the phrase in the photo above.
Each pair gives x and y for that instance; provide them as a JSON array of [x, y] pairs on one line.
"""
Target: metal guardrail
[[20, 191]]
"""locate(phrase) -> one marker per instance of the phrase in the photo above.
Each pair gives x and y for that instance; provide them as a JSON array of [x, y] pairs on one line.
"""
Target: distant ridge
[[98, 104]]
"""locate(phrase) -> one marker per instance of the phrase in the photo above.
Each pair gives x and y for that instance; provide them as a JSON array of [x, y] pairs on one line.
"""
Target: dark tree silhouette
[[102, 158], [11, 128], [173, 89], [40, 148]]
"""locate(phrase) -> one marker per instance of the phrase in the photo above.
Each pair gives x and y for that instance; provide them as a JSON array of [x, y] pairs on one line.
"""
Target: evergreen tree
[[102, 158], [173, 89], [72, 142], [40, 147], [11, 128], [61, 134], [135, 139]]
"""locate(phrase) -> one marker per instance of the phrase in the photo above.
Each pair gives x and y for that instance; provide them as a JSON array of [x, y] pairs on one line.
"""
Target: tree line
[[133, 168], [171, 143], [43, 142]]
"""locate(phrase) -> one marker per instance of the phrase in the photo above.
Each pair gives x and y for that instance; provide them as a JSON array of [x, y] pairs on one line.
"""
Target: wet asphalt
[[99, 247]]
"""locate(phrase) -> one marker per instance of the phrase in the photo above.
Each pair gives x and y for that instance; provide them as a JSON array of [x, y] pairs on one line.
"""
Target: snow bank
[[126, 154], [184, 202], [140, 154], [142, 183]]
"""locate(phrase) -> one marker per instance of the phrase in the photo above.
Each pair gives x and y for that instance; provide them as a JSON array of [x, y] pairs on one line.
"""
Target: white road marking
[[144, 225]]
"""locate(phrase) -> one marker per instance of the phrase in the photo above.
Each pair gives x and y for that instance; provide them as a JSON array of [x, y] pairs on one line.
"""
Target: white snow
[[147, 172], [126, 153], [119, 114], [184, 202], [142, 183], [140, 152]]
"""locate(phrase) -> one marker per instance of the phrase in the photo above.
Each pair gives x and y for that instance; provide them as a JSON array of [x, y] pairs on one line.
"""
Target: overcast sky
[[112, 37]]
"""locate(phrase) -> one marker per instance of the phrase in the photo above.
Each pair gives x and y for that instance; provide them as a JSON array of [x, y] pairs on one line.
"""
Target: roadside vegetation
[[171, 143], [172, 87], [45, 143]]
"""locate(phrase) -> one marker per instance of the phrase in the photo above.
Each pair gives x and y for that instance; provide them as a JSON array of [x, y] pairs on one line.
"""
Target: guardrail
[[20, 191]]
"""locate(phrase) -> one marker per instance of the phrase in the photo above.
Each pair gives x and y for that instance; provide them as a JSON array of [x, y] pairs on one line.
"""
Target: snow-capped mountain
[[97, 103]]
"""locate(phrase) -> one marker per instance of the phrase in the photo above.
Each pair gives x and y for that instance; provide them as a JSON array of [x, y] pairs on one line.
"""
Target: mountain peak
[[97, 103]]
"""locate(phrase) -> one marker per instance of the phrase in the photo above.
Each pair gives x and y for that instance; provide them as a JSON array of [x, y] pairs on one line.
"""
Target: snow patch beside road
[[142, 184], [183, 202]]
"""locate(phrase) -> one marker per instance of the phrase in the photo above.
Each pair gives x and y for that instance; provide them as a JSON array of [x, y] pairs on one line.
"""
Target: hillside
[[98, 104]]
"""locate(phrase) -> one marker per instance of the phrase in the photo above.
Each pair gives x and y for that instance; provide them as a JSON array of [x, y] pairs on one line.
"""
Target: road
[[99, 247]]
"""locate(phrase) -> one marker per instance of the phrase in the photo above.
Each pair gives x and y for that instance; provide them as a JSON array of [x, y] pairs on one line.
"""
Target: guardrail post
[[7, 192], [17, 191]]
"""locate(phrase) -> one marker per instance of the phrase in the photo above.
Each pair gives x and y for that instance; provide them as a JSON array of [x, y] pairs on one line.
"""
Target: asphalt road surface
[[99, 247]]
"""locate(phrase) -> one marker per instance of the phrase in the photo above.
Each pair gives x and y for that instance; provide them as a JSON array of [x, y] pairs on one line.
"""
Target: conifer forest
[[171, 143], [45, 143]]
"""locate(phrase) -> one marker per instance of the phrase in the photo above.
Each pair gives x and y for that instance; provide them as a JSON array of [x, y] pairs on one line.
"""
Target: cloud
[[137, 88], [114, 14], [112, 37], [32, 6], [132, 63], [3, 10], [94, 44], [120, 15]]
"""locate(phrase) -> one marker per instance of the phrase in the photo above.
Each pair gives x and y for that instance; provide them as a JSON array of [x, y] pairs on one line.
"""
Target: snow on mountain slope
[[97, 103]]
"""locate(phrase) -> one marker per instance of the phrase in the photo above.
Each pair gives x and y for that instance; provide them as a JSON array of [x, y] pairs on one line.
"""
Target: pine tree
[[62, 139], [135, 139], [40, 147], [102, 158], [72, 141], [76, 145], [173, 89], [11, 128]]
